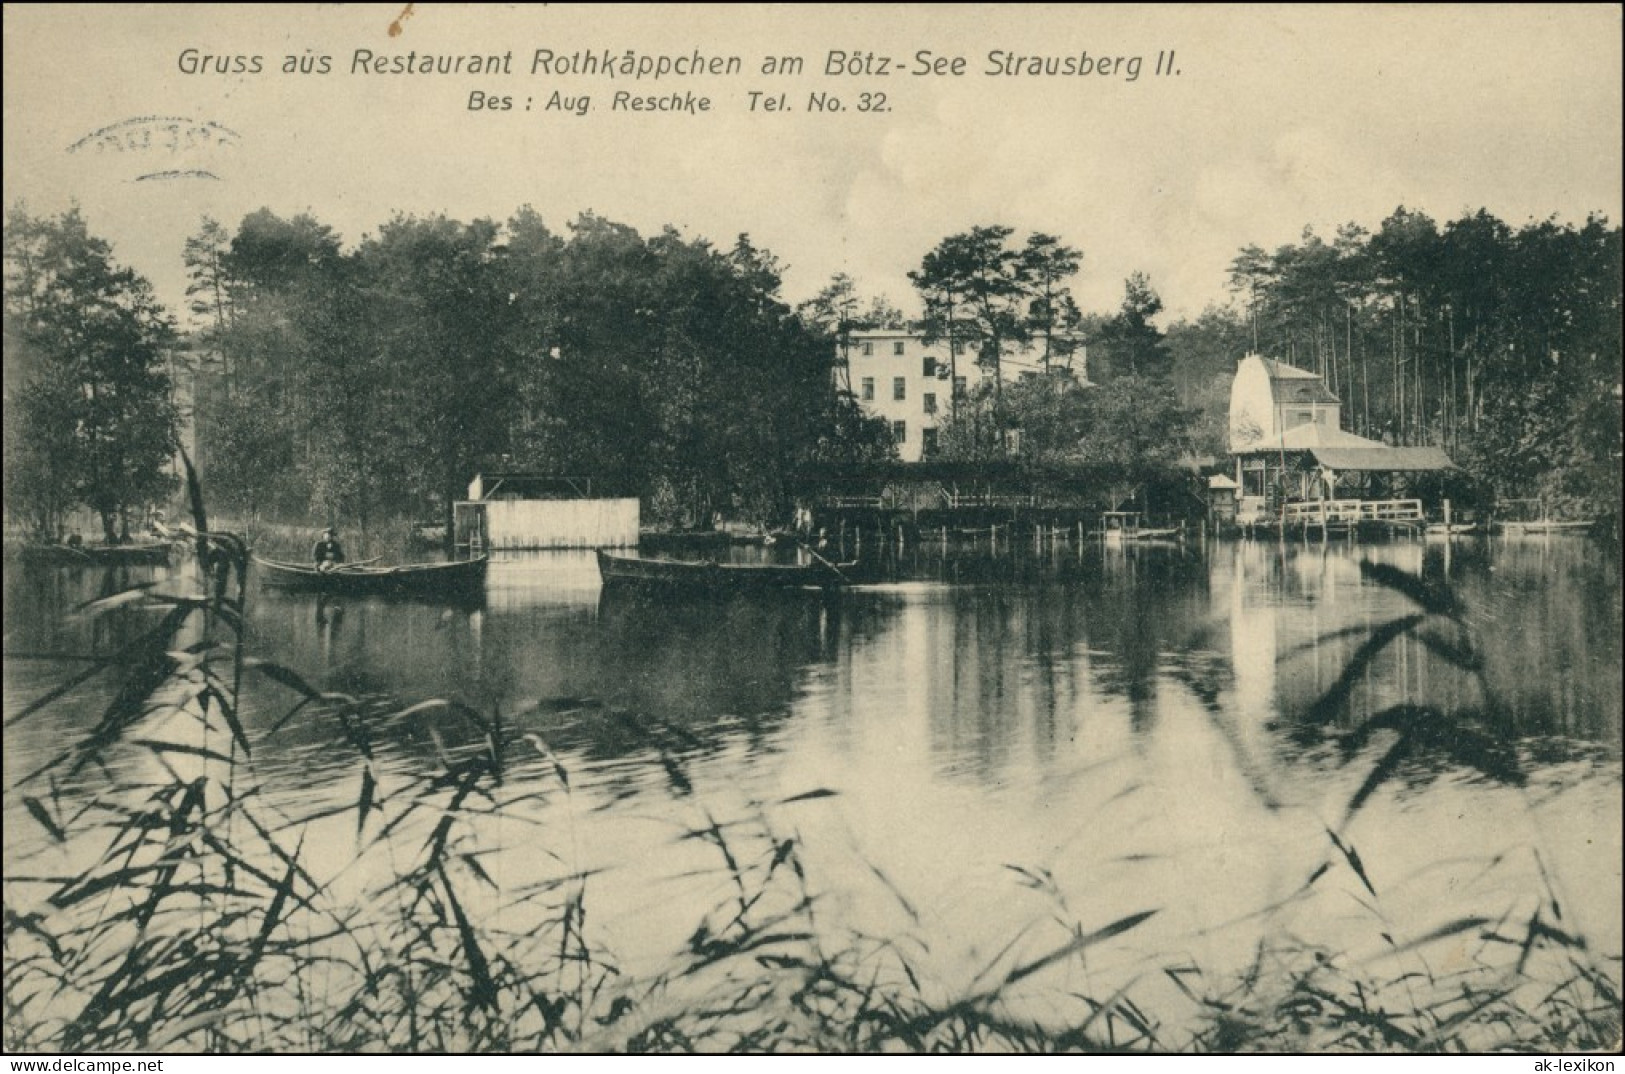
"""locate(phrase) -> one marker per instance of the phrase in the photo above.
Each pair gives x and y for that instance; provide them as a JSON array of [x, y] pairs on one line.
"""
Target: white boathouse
[[517, 510]]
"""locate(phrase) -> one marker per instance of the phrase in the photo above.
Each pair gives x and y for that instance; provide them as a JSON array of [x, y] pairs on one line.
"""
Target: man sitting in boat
[[328, 553]]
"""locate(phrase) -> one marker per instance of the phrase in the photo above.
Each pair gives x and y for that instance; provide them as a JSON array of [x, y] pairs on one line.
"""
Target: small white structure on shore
[[525, 511]]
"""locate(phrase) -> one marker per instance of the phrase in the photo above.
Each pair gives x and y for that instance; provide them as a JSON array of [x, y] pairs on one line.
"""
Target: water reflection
[[995, 669], [1545, 622], [1131, 719]]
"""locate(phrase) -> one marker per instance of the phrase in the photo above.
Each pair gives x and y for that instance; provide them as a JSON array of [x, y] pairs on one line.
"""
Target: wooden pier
[[1326, 517]]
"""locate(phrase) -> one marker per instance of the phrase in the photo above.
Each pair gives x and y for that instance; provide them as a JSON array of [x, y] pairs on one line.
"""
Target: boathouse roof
[[1383, 459], [1307, 437], [1338, 450]]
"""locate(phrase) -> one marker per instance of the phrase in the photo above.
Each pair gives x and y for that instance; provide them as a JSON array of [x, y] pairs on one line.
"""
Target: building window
[[930, 402], [1012, 441], [899, 431], [928, 441], [897, 348], [868, 389], [928, 367], [868, 350], [959, 387], [899, 387], [958, 348]]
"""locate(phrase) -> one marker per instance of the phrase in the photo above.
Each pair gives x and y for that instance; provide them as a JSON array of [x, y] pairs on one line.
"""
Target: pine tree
[[86, 377]]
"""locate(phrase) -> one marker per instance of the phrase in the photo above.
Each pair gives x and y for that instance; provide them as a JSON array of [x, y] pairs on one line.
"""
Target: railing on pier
[[1347, 512], [953, 498]]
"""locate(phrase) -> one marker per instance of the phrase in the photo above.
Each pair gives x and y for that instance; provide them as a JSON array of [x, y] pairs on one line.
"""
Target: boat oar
[[351, 566], [813, 552]]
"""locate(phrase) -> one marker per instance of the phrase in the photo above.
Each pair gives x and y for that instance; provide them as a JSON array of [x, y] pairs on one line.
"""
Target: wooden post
[[1447, 517]]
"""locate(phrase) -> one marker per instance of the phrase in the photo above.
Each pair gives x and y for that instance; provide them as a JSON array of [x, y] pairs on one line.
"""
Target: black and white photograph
[[899, 529]]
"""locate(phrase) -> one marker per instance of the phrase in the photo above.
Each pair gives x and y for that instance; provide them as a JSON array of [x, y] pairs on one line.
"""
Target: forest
[[1500, 345], [366, 381]]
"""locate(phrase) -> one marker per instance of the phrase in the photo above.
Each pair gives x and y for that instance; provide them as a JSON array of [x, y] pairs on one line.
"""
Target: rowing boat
[[721, 577], [460, 579], [97, 555], [1120, 526], [1545, 526]]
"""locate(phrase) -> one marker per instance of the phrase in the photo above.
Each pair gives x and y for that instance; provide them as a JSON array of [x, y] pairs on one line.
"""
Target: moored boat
[[1117, 527], [146, 554], [722, 577], [1544, 526], [459, 579]]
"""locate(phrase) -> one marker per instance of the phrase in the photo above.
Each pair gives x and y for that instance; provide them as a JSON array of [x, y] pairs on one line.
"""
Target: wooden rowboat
[[97, 555], [721, 577], [1545, 526], [460, 579], [1117, 527]]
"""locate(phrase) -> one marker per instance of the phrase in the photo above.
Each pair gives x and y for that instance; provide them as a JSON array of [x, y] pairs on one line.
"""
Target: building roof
[[908, 332], [1383, 459], [1289, 384], [1282, 371], [1338, 450], [1307, 437]]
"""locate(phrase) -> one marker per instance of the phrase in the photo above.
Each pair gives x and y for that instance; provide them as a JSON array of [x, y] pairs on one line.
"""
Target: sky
[[1277, 119]]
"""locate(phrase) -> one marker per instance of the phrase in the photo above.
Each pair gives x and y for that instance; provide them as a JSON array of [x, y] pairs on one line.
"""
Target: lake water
[[1014, 742]]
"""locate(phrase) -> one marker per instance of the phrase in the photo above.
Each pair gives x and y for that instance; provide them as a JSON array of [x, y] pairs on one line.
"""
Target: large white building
[[897, 377]]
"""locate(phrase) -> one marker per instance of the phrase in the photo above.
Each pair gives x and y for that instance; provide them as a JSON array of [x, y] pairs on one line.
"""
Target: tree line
[[369, 382], [90, 410], [1499, 344]]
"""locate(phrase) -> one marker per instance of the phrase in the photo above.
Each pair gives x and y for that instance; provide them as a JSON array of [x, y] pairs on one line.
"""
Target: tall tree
[[1133, 344], [1052, 313], [880, 313], [263, 406], [208, 290], [837, 311], [438, 317], [1250, 275], [973, 286], [671, 370], [834, 312], [1204, 354], [86, 380]]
